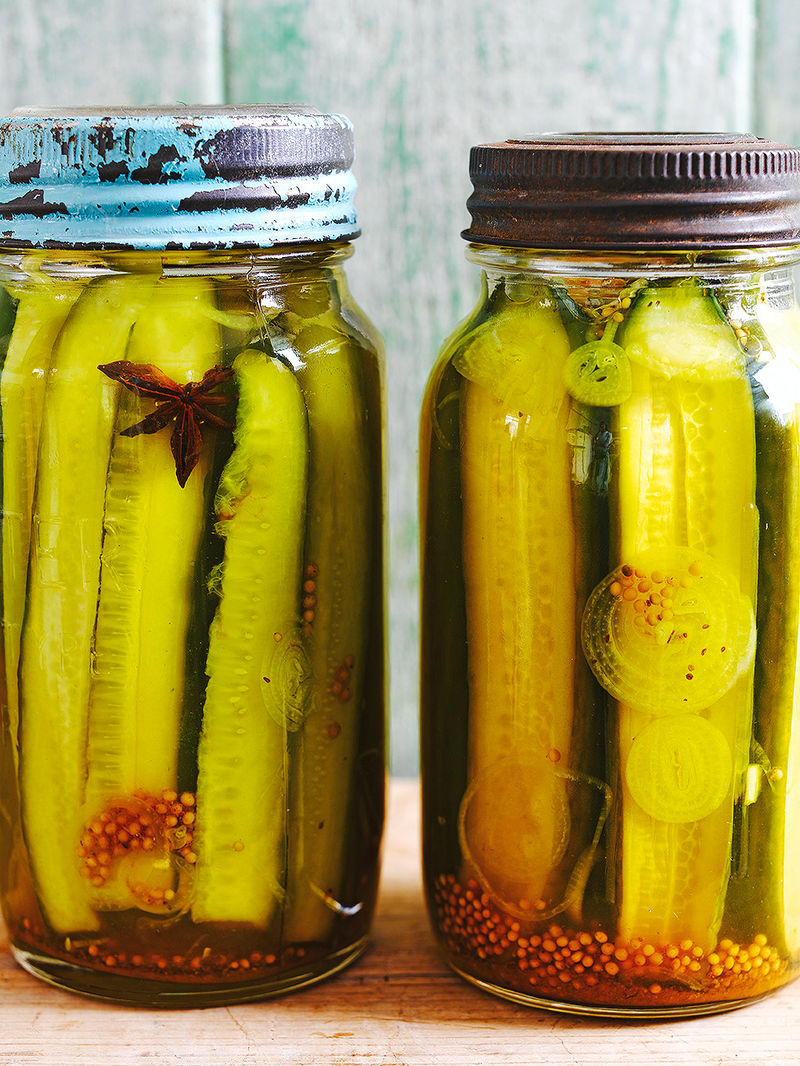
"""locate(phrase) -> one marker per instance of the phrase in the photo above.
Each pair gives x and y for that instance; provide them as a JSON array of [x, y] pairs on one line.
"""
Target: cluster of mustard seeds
[[340, 686], [741, 331], [652, 595], [309, 597], [609, 306], [558, 962], [146, 824]]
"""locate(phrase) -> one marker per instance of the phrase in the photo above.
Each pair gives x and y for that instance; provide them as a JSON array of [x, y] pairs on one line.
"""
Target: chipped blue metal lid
[[164, 178]]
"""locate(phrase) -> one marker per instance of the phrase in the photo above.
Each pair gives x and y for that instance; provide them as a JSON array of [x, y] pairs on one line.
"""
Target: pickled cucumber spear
[[152, 527], [42, 309], [77, 427], [337, 580], [257, 671], [685, 485], [767, 894], [519, 562]]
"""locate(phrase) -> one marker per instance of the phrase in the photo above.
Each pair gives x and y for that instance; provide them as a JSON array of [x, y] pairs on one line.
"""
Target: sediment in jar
[[587, 964]]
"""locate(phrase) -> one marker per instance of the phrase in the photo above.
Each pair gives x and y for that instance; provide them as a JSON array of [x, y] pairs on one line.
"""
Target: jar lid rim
[[635, 190]]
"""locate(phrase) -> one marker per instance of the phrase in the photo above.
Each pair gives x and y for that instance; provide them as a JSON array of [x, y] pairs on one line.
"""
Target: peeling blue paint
[[177, 178]]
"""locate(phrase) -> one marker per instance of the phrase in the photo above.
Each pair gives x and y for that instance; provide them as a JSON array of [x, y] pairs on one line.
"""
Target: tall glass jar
[[191, 768], [611, 579]]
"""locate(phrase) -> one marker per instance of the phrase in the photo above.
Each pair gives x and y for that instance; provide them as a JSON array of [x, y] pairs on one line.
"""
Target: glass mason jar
[[611, 579], [191, 768]]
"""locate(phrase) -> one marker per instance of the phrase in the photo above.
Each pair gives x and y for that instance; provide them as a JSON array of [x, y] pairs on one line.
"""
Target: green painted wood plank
[[423, 82], [84, 52], [777, 86], [266, 46]]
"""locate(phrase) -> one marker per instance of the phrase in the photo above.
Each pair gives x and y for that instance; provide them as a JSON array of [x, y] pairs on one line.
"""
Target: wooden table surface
[[398, 1005]]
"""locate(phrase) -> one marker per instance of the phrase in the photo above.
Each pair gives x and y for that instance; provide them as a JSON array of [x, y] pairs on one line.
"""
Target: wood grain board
[[422, 82], [398, 1005]]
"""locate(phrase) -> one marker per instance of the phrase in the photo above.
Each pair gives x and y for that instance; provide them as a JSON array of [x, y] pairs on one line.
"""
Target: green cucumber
[[765, 891], [336, 599], [782, 330], [151, 531], [56, 644], [235, 315], [41, 312], [257, 672], [685, 480], [520, 598], [152, 528], [684, 335], [444, 690]]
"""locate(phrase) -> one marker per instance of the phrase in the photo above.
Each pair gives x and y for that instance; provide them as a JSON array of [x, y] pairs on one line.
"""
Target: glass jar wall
[[191, 766], [610, 537]]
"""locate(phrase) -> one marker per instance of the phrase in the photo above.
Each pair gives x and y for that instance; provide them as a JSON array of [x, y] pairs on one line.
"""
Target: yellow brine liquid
[[610, 546]]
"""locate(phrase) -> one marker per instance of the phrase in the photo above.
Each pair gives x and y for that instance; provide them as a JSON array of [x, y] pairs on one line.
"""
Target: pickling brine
[[191, 772], [188, 608], [610, 546]]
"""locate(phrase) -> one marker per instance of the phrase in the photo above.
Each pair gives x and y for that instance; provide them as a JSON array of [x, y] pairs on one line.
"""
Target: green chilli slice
[[598, 374], [679, 768], [668, 631]]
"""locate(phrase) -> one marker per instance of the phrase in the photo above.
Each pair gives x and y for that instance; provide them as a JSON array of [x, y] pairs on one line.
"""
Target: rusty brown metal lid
[[628, 191]]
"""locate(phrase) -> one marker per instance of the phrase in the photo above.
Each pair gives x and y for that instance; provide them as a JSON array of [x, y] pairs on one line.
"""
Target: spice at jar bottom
[[191, 764], [610, 614]]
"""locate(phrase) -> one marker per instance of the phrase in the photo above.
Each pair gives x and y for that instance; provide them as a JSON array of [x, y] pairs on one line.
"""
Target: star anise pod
[[187, 406]]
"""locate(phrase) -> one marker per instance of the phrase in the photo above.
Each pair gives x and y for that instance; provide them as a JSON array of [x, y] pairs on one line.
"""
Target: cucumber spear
[[41, 312], [257, 668], [64, 576], [152, 527], [336, 583], [520, 589], [670, 634]]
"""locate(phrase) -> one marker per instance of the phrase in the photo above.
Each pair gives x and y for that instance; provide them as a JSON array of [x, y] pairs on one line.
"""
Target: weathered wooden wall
[[422, 81]]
